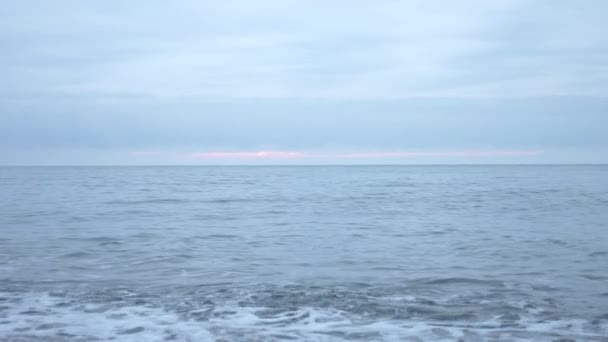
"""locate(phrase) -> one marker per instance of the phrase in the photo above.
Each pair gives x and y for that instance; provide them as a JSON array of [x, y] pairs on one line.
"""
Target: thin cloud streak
[[360, 155]]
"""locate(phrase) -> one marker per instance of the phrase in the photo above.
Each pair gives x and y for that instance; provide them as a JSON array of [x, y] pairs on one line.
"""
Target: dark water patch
[[22, 329], [33, 312], [232, 200], [216, 236], [454, 316], [399, 185], [100, 239], [159, 259], [157, 201], [137, 213], [143, 236], [34, 214], [595, 277], [19, 221], [598, 254], [544, 288], [387, 268], [276, 212], [131, 331], [214, 217], [77, 255], [184, 256], [557, 242], [525, 274], [78, 219], [603, 317], [462, 281], [110, 243], [48, 326]]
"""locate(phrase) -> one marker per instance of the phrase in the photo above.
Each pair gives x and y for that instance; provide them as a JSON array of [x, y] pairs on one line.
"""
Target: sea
[[304, 253]]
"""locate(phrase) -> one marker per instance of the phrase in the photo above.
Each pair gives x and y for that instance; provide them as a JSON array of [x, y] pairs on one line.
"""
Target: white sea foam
[[40, 316]]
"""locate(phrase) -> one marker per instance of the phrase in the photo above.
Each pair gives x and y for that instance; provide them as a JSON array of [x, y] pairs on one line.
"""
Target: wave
[[277, 313], [148, 201], [181, 201]]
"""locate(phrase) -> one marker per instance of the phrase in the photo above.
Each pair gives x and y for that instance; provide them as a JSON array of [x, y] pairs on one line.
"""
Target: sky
[[150, 82]]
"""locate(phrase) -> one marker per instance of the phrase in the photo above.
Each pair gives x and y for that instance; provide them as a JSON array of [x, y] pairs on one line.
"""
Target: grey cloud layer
[[313, 49], [306, 125], [113, 77]]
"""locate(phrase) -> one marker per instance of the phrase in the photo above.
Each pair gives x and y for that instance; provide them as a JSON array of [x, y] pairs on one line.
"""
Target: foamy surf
[[124, 315]]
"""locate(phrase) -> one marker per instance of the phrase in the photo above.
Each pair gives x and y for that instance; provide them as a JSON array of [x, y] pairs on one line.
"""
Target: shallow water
[[369, 253]]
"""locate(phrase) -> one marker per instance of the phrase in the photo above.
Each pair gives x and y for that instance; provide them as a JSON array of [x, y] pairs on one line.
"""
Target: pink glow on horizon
[[448, 154], [248, 155], [361, 155]]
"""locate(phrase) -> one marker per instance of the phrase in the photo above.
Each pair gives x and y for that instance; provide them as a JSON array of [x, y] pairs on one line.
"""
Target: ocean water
[[315, 253]]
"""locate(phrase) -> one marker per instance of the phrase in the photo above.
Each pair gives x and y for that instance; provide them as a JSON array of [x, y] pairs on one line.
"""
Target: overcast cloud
[[140, 82]]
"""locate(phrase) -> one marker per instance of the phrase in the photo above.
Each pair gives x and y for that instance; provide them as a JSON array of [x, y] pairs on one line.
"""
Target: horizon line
[[298, 165]]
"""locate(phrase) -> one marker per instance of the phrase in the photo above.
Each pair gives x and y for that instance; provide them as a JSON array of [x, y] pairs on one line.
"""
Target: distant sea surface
[[311, 253]]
